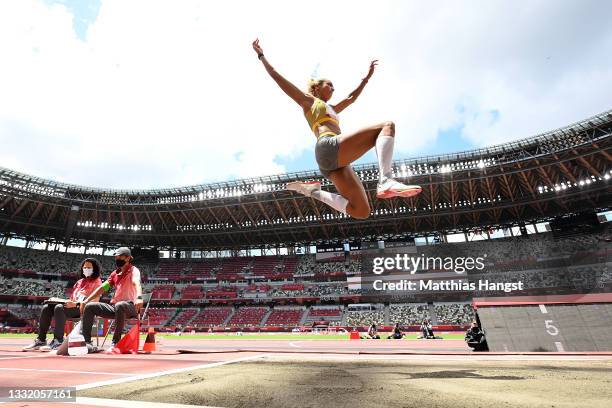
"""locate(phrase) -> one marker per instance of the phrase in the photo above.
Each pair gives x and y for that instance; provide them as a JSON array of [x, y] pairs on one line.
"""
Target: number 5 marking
[[550, 328]]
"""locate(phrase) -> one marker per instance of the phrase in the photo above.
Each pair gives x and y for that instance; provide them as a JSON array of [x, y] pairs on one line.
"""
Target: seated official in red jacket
[[126, 301], [60, 309]]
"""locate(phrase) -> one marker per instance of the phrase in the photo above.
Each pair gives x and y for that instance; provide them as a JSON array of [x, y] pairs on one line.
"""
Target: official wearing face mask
[[60, 309], [126, 301]]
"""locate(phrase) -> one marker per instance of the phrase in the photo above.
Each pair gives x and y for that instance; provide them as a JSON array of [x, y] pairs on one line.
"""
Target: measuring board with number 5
[[547, 324]]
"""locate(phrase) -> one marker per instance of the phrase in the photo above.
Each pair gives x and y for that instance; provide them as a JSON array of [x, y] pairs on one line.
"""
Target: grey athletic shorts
[[326, 153]]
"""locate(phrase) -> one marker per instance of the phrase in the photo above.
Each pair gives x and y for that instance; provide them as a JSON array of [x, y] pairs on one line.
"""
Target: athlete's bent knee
[[388, 128], [361, 212]]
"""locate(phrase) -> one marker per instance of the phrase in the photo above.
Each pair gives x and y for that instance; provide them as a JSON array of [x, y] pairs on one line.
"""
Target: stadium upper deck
[[543, 261], [558, 172]]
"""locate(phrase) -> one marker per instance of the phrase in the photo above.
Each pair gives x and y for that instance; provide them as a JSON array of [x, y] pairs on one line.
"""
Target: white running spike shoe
[[393, 188], [304, 187]]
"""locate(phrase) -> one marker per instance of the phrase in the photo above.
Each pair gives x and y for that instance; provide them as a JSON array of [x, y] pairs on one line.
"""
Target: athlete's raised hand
[[371, 71], [257, 47]]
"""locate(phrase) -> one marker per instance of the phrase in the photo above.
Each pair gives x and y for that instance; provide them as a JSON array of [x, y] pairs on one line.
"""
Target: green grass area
[[256, 336], [260, 336], [16, 336]]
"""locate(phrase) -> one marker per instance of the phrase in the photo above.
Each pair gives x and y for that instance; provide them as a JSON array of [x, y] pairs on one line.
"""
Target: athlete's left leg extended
[[351, 198]]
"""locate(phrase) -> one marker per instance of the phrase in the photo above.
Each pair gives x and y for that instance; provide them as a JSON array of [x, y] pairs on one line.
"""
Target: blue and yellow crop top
[[321, 112]]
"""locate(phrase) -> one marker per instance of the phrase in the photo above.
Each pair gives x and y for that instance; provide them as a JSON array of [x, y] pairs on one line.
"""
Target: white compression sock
[[384, 151], [335, 201]]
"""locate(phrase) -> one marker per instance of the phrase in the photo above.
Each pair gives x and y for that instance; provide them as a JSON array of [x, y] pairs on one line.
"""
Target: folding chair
[[146, 298]]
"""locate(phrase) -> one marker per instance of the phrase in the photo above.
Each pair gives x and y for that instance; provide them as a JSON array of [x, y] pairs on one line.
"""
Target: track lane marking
[[42, 370], [162, 373], [16, 357]]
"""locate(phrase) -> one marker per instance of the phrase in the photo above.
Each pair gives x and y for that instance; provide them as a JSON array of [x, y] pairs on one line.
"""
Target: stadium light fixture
[[445, 168]]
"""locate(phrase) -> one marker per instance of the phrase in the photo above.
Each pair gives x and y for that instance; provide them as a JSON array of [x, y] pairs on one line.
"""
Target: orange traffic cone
[[149, 344]]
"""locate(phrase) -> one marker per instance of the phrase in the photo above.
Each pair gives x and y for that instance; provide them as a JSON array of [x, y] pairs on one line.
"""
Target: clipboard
[[55, 301]]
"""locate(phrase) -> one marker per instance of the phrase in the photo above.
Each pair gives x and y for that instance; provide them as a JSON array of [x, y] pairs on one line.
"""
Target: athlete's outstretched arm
[[340, 106], [300, 97]]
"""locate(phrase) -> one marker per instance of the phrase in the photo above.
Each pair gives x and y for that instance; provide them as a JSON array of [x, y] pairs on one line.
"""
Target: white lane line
[[63, 371], [559, 346], [104, 402], [161, 373], [294, 344], [543, 309], [16, 357]]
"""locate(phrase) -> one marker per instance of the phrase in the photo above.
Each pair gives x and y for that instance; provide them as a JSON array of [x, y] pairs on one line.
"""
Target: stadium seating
[[454, 313], [408, 314], [248, 316], [24, 313], [184, 316], [265, 264], [221, 293], [159, 316], [365, 318], [541, 261], [32, 287], [163, 292], [285, 317], [212, 316], [324, 313], [170, 271], [290, 265], [192, 292], [49, 262]]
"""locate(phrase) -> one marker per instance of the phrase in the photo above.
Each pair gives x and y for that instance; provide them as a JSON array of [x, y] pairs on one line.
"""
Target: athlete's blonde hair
[[313, 84]]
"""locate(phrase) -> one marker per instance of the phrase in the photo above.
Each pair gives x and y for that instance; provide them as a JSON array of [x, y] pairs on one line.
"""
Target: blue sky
[[84, 12], [173, 92]]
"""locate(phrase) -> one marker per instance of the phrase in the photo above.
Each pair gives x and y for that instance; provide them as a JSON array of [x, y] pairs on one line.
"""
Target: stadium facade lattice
[[563, 171]]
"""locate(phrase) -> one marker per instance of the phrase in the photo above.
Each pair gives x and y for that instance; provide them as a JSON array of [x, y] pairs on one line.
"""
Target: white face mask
[[87, 272]]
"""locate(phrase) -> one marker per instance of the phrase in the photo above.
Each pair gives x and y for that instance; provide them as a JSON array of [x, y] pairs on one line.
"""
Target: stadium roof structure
[[563, 171]]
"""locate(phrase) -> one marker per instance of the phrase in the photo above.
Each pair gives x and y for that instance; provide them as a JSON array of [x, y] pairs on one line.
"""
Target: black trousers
[[60, 313], [119, 311]]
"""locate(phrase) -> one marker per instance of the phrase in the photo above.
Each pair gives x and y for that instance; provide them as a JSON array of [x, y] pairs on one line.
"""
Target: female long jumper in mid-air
[[335, 151]]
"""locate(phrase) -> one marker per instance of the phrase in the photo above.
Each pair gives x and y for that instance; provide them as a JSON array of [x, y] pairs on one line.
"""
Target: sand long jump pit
[[300, 380]]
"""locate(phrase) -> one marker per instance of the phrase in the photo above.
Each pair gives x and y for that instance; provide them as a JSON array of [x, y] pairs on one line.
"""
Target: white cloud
[[165, 93]]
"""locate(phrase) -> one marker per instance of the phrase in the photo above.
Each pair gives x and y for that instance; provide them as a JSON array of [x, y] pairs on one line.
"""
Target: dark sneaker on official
[[54, 345], [91, 348], [38, 343]]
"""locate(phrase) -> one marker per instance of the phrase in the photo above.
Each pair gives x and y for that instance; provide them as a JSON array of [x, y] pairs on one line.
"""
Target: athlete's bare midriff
[[327, 126]]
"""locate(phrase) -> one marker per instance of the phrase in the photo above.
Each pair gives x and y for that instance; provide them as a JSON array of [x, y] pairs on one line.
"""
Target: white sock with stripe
[[335, 201], [384, 151]]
